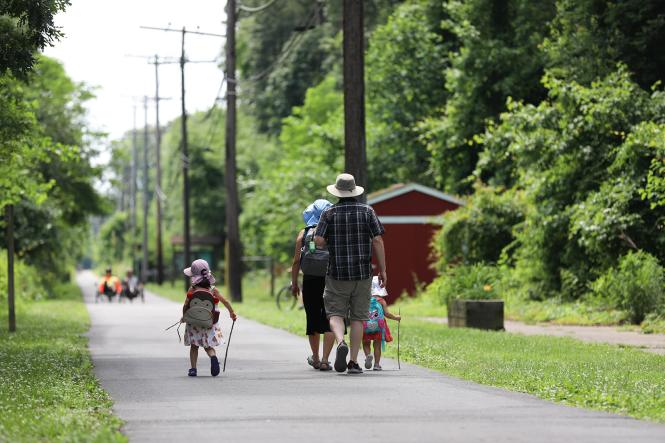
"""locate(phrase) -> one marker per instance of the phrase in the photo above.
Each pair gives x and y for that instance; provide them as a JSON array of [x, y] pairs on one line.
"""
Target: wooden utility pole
[[183, 139], [9, 222], [132, 196], [158, 184], [233, 247], [185, 160], [355, 157], [146, 194]]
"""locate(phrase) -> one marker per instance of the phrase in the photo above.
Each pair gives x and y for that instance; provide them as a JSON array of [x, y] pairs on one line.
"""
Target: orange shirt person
[[110, 281]]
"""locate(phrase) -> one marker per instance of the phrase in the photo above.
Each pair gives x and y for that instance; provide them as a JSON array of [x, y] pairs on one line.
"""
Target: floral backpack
[[377, 320]]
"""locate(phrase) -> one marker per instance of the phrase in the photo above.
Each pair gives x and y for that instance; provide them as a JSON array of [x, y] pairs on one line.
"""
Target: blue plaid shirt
[[349, 227]]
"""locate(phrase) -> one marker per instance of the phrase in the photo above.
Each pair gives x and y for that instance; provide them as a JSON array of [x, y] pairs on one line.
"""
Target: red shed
[[408, 213]]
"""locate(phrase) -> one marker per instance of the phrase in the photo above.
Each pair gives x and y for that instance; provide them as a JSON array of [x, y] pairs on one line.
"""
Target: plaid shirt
[[349, 227]]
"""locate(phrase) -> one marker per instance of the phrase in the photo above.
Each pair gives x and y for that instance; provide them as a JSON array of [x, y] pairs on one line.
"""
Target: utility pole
[[146, 196], [355, 157], [233, 249], [9, 220], [132, 197], [183, 138], [158, 185], [185, 160], [156, 61]]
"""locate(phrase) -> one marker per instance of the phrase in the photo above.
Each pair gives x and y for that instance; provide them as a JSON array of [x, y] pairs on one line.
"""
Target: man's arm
[[380, 251]]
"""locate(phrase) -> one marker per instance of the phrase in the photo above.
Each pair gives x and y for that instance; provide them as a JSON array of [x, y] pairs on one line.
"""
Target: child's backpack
[[377, 320], [313, 261], [201, 311]]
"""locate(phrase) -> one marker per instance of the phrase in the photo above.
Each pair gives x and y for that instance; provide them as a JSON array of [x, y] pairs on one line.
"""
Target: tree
[[25, 27], [589, 37], [406, 63], [46, 169], [581, 157], [498, 57]]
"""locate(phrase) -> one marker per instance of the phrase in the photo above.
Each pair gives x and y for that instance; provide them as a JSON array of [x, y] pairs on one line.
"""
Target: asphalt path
[[269, 394]]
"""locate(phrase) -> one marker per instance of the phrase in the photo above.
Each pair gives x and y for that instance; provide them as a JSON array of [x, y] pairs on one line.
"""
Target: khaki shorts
[[344, 298]]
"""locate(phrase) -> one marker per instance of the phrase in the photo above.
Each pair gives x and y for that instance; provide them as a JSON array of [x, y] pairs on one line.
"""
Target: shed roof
[[403, 188]]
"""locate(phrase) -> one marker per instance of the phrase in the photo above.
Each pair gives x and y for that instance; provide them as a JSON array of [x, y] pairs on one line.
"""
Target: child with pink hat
[[202, 287]]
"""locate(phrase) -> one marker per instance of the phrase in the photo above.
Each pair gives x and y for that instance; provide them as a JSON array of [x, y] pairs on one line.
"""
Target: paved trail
[[268, 394]]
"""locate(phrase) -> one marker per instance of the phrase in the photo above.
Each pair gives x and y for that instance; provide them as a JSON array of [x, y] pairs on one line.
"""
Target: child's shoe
[[368, 361], [214, 366], [191, 372], [377, 367]]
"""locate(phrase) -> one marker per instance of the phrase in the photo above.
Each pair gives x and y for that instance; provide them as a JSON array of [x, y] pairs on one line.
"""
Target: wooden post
[[146, 196], [9, 220], [185, 161], [355, 157], [158, 184], [234, 250]]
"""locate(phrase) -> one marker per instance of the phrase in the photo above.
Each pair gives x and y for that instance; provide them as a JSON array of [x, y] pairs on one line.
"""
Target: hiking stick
[[179, 322], [399, 312], [228, 344], [176, 323]]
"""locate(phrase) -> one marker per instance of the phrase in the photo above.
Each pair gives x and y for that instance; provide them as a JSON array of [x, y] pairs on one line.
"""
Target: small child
[[196, 336], [376, 328]]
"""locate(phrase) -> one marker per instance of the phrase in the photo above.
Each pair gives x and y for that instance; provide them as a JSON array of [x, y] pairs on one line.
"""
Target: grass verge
[[616, 379], [48, 391]]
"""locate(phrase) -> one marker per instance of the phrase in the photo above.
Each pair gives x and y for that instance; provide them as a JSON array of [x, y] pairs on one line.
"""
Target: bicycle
[[285, 298]]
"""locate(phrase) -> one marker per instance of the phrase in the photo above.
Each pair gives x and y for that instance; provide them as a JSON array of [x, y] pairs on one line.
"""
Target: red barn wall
[[408, 258]]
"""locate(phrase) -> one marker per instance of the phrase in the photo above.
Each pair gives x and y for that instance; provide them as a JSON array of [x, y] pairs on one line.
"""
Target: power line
[[184, 141], [252, 9], [292, 43]]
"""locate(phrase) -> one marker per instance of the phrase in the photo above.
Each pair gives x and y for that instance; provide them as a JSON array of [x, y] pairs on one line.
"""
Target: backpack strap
[[308, 230]]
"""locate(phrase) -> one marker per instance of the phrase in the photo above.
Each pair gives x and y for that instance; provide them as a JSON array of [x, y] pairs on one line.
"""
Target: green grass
[[48, 391], [596, 376]]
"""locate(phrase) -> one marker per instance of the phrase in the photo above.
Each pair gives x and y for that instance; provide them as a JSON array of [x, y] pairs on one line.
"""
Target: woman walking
[[312, 291]]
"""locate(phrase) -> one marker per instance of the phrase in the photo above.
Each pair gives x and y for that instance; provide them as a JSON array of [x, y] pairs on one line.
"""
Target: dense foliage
[[46, 170], [26, 26], [547, 116]]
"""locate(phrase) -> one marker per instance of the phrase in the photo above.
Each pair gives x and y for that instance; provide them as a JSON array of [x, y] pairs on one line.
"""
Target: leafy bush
[[467, 282], [27, 282], [480, 230], [637, 285]]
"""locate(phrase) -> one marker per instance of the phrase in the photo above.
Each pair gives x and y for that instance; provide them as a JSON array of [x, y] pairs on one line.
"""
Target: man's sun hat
[[199, 271], [312, 213], [377, 290], [345, 186]]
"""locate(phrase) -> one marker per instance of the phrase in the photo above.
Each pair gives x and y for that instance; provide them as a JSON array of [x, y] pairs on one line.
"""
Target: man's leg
[[356, 338], [337, 327], [359, 311]]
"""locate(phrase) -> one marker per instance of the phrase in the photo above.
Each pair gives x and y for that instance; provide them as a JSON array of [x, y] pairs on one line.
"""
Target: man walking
[[351, 230]]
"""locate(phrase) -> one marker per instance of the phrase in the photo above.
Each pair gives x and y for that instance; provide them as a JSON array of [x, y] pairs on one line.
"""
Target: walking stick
[[226, 354], [399, 312]]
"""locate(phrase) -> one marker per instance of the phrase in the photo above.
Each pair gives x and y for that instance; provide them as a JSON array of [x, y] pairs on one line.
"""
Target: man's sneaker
[[377, 368], [368, 361], [340, 357], [353, 368]]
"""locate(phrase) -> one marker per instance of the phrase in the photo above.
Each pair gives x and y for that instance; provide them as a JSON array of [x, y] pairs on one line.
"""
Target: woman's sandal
[[325, 366], [316, 364]]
